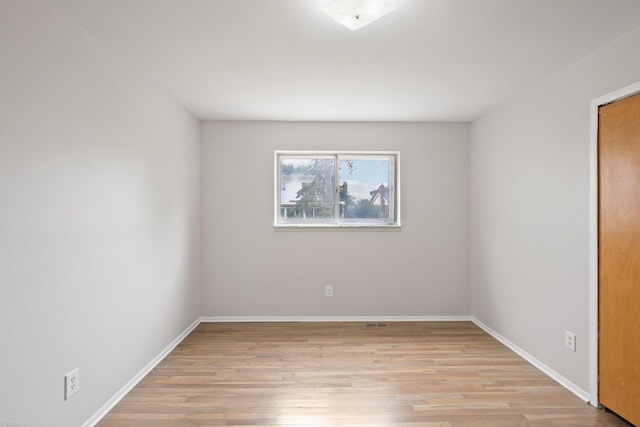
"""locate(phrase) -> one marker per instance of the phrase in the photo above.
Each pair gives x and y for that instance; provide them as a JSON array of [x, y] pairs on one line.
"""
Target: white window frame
[[337, 221]]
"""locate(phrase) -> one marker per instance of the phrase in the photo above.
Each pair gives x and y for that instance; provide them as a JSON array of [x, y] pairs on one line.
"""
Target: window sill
[[364, 227]]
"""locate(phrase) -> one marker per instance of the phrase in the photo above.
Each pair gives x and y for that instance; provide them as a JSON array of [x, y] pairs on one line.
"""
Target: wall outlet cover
[[328, 291], [71, 383], [570, 340]]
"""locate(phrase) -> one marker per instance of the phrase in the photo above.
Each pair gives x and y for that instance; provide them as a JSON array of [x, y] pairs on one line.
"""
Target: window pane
[[366, 189], [339, 189], [307, 188]]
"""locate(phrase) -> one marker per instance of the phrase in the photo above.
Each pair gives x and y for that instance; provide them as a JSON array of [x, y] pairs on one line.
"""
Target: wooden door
[[619, 257]]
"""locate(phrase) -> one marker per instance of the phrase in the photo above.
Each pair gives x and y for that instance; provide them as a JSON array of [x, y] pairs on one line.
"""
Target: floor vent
[[377, 325]]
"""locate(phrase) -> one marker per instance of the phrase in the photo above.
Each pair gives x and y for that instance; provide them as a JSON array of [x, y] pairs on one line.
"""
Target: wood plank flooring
[[431, 374]]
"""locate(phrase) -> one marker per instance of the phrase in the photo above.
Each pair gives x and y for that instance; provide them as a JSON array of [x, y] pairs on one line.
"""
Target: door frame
[[617, 95]]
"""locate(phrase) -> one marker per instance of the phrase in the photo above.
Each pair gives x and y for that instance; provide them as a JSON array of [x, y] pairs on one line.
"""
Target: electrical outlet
[[570, 340], [71, 383], [328, 291]]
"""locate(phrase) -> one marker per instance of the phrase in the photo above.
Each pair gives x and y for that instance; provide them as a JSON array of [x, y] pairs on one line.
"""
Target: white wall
[[99, 218], [529, 167], [251, 269]]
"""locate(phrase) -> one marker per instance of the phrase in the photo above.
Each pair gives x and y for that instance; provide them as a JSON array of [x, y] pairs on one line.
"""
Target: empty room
[[319, 213]]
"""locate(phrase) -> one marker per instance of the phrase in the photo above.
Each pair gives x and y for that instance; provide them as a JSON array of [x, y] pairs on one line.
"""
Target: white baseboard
[[138, 377], [264, 319], [582, 394]]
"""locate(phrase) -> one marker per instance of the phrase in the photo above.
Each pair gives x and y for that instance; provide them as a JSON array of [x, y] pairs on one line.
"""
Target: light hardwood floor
[[449, 374]]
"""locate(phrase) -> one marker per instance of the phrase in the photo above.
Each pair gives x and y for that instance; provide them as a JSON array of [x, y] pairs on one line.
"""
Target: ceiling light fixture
[[355, 14]]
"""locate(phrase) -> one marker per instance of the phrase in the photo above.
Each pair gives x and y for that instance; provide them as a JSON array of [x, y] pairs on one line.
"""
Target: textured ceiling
[[431, 60]]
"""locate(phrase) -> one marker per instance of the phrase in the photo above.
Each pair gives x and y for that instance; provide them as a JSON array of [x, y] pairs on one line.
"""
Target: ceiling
[[430, 60]]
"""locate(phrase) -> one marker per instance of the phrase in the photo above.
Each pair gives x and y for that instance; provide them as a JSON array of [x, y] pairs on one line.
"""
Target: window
[[339, 189]]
